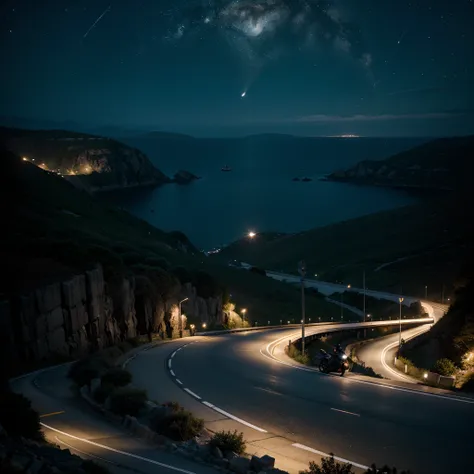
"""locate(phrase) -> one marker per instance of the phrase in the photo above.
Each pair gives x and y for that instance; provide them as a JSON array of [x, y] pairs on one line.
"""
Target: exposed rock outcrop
[[184, 177], [89, 162], [84, 313]]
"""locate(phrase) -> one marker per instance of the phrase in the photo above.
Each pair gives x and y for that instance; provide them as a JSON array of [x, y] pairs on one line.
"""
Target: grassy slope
[[430, 233], [44, 212]]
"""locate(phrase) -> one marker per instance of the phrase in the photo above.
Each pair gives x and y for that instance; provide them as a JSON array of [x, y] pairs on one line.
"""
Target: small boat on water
[[226, 168]]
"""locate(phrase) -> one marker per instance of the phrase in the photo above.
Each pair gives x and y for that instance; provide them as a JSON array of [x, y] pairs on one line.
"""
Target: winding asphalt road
[[69, 422], [244, 381]]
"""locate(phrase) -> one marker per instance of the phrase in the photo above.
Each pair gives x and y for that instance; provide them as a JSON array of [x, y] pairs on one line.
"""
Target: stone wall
[[84, 313]]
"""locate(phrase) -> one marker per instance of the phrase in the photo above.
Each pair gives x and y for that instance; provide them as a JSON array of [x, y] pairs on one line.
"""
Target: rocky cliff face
[[84, 313], [89, 162]]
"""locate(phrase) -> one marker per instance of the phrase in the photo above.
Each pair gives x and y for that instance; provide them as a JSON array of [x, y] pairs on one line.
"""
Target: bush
[[444, 367], [328, 466], [228, 441], [83, 371], [384, 470], [179, 425], [103, 391], [90, 467], [296, 354], [258, 271], [116, 377], [17, 417], [127, 401]]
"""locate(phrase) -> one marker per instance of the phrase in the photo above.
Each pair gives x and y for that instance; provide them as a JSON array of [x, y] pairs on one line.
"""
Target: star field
[[223, 67]]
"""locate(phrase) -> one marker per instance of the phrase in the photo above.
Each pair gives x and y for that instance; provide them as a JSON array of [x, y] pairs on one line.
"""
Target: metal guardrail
[[334, 326]]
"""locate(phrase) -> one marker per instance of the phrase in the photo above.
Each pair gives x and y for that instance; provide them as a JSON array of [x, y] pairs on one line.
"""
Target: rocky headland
[[439, 165], [91, 163]]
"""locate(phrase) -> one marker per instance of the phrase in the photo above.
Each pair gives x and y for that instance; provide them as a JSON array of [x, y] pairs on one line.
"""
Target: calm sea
[[258, 194]]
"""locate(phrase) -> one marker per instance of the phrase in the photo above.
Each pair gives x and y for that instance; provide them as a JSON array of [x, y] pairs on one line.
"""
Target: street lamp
[[180, 317], [400, 333], [243, 311], [426, 292], [302, 272], [251, 234], [204, 325]]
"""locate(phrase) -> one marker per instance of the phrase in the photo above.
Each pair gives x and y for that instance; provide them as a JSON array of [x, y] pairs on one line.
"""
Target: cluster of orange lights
[[44, 166]]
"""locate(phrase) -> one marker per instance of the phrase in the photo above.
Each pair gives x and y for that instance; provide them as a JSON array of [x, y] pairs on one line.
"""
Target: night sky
[[312, 67]]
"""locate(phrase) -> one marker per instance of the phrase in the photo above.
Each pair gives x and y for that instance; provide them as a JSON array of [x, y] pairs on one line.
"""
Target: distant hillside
[[90, 162], [404, 248], [443, 164]]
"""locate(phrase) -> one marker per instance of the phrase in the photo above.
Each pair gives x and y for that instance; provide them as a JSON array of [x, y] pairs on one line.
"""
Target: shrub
[[296, 354], [103, 391], [444, 367], [384, 470], [90, 467], [229, 441], [117, 377], [328, 466], [83, 371], [127, 401], [17, 417], [179, 425]]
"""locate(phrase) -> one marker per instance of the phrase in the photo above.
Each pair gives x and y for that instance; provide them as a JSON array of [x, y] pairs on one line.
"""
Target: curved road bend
[[282, 406], [70, 422], [380, 353]]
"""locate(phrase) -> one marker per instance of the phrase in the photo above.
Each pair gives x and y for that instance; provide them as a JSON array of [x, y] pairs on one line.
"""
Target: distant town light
[[25, 158], [252, 234], [204, 325]]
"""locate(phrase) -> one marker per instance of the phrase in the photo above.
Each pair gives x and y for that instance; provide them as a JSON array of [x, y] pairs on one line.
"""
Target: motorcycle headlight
[[344, 356]]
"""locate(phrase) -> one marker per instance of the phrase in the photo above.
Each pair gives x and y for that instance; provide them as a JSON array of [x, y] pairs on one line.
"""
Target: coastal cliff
[[442, 165], [91, 163], [81, 313]]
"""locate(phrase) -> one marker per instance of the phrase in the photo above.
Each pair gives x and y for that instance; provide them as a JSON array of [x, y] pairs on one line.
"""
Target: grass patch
[[297, 355]]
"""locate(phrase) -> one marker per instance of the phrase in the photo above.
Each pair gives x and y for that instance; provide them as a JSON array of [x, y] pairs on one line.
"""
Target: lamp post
[[243, 311], [180, 323], [400, 333], [426, 292], [302, 272]]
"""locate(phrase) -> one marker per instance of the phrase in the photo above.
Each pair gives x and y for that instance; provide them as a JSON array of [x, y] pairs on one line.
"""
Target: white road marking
[[346, 412], [235, 418], [118, 451], [172, 373], [179, 381], [315, 451], [192, 393], [83, 452], [383, 356], [169, 364], [173, 354]]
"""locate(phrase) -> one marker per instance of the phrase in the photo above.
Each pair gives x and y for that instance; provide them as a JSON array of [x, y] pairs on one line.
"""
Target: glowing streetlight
[[204, 325], [243, 311], [400, 333], [251, 234], [180, 316]]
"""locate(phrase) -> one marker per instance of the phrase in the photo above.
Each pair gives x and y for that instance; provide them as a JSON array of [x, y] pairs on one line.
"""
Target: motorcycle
[[336, 362]]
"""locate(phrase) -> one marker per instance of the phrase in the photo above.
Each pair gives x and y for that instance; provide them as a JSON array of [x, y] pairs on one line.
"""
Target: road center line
[[235, 418], [173, 354], [118, 451], [172, 373], [179, 381], [192, 393], [315, 451], [346, 412], [169, 364]]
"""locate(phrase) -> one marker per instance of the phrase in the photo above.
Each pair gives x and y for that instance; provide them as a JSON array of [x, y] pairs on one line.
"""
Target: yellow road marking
[[51, 414]]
